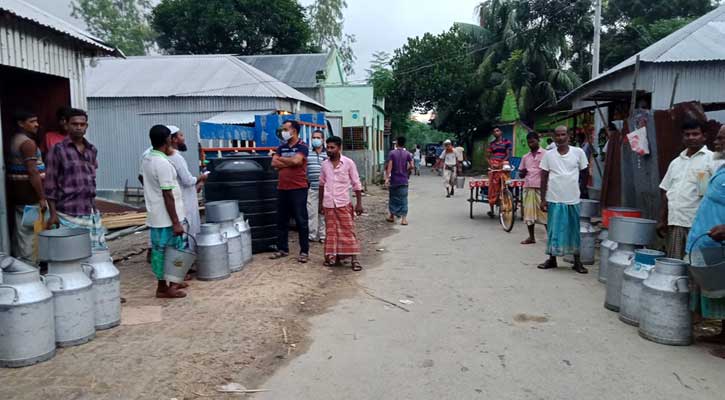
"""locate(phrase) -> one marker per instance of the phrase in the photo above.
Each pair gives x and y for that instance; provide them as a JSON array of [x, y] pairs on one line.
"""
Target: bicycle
[[505, 205]]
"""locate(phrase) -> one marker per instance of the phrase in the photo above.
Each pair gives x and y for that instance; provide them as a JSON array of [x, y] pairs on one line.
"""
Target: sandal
[[303, 258], [390, 219], [579, 267], [528, 241], [548, 264], [356, 266], [278, 255]]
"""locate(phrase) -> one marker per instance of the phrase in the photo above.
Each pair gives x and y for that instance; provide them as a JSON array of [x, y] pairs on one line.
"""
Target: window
[[353, 138]]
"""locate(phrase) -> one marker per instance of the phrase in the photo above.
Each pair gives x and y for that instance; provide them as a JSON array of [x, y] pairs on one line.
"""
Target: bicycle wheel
[[507, 216]]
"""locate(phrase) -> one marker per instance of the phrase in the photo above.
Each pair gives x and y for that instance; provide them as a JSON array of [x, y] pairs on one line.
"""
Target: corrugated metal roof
[[29, 12], [184, 76], [701, 40], [296, 70]]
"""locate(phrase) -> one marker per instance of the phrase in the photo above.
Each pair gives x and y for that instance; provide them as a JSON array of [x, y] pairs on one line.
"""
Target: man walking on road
[[70, 181], [450, 161], [530, 170], [189, 184], [339, 175], [560, 197], [683, 187], [397, 173], [290, 160], [314, 166], [165, 208]]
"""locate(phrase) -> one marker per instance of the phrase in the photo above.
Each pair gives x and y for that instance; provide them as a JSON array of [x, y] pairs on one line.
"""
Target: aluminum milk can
[[212, 255], [234, 245], [106, 290], [629, 304], [27, 327], [246, 232], [665, 304], [621, 259], [606, 248]]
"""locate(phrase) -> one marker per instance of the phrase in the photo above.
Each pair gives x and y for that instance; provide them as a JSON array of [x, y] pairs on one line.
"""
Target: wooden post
[[633, 102], [674, 90]]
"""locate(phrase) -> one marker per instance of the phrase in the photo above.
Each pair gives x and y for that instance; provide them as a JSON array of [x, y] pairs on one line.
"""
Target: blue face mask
[[316, 143]]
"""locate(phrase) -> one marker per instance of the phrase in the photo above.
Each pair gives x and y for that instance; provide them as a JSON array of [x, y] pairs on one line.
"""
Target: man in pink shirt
[[337, 176], [530, 170]]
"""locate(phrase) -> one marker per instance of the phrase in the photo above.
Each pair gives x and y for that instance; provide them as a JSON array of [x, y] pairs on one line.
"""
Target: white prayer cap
[[173, 128]]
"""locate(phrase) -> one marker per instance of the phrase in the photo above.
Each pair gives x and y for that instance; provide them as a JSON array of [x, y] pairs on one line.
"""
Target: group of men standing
[[55, 175], [314, 189]]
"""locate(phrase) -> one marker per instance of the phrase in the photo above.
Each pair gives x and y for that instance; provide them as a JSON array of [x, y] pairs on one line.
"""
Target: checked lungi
[[562, 229], [340, 225]]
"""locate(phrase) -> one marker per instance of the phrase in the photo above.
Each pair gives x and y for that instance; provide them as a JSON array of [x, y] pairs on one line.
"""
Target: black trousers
[[292, 203]]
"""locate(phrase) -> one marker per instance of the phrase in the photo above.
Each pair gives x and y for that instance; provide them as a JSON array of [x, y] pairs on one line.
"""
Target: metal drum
[[612, 212], [212, 255], [27, 328], [221, 211], [629, 230], [665, 304], [70, 283], [246, 232], [106, 290], [621, 259], [587, 232], [606, 248], [234, 245], [629, 304]]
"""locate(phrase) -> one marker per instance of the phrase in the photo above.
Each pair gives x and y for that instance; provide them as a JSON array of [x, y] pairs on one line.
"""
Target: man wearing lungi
[[530, 170], [397, 172], [339, 174], [164, 207], [683, 187], [70, 181], [450, 160], [560, 198], [499, 153]]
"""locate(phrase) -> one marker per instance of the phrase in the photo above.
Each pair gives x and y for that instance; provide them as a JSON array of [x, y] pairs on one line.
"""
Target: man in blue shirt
[[316, 221]]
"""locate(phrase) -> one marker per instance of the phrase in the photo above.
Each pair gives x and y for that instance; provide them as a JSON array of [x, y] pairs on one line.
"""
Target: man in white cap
[[451, 164], [189, 184]]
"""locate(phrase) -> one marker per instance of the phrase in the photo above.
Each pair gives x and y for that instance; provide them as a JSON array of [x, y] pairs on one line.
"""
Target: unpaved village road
[[484, 324]]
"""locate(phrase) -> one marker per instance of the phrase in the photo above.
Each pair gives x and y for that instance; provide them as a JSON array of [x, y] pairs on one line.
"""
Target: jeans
[[292, 203]]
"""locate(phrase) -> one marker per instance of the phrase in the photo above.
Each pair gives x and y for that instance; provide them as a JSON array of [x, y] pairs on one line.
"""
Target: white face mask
[[286, 135]]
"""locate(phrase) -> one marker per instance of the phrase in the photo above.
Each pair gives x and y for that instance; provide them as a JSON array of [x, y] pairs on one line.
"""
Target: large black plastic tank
[[252, 182]]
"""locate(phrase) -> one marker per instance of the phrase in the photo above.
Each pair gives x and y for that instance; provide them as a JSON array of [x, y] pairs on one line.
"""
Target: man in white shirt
[[683, 186], [189, 184], [164, 208], [560, 198], [450, 160]]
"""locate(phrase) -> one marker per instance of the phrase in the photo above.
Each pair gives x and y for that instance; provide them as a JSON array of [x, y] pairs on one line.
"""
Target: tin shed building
[[127, 97]]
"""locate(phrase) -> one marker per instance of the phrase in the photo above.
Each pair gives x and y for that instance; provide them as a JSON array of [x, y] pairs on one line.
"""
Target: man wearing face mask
[[189, 184], [314, 165], [290, 159]]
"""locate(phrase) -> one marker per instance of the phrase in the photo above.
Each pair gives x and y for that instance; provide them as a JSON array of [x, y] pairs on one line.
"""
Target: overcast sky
[[377, 24]]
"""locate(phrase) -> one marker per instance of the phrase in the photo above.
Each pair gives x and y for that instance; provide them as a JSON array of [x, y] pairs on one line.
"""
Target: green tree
[[231, 26], [327, 30], [631, 26], [380, 75], [422, 134], [122, 23]]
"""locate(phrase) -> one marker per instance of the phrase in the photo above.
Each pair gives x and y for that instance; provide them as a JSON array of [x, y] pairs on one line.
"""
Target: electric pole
[[597, 35]]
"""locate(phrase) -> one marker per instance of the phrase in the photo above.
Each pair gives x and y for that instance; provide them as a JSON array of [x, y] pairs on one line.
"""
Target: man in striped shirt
[[316, 221]]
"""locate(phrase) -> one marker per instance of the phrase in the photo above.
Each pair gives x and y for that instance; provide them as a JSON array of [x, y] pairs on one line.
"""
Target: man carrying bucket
[[708, 230], [164, 206]]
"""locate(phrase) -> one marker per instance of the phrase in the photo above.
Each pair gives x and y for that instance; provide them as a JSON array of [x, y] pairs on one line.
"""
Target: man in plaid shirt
[[70, 181]]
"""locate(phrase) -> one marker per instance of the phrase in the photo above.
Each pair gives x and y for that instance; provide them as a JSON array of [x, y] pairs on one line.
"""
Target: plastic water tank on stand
[[250, 180]]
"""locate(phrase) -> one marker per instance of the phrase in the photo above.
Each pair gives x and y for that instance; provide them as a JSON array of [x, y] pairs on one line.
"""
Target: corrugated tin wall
[[119, 128], [702, 81], [25, 46]]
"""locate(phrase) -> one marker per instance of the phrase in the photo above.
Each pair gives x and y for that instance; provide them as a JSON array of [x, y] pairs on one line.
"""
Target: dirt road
[[235, 330]]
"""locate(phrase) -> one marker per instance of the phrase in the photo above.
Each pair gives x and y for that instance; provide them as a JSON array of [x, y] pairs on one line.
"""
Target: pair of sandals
[[392, 221], [549, 264], [335, 262], [302, 258]]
